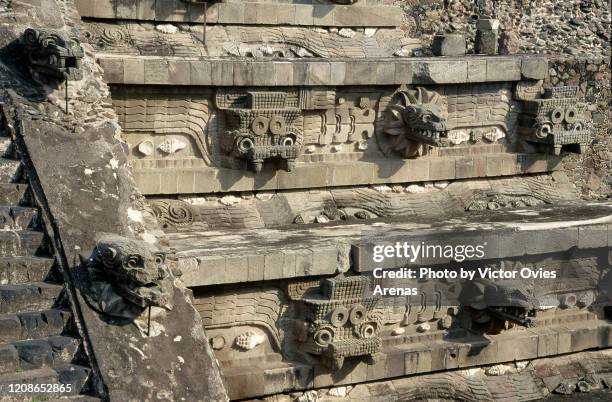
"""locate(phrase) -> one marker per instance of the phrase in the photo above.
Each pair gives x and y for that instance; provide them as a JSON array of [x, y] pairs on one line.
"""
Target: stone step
[[12, 193], [16, 270], [10, 170], [76, 398], [6, 147], [72, 376], [53, 351], [33, 325], [28, 297], [17, 218], [20, 242]]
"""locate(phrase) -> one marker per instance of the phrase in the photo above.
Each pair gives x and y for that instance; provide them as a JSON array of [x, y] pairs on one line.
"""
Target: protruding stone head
[[132, 270]]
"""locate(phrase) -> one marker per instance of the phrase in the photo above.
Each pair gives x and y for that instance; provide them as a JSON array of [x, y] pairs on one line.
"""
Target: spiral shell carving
[[173, 212]]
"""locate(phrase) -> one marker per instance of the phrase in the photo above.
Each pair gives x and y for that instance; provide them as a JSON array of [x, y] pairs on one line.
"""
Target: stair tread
[[12, 193], [9, 169], [25, 269], [52, 375], [26, 297], [17, 217], [20, 241], [55, 351], [33, 325]]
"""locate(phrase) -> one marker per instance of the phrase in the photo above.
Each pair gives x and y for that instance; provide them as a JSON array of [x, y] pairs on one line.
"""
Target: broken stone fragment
[[486, 36], [448, 44]]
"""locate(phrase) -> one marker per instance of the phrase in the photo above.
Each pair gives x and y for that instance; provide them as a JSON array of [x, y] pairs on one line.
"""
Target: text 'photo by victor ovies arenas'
[[305, 200]]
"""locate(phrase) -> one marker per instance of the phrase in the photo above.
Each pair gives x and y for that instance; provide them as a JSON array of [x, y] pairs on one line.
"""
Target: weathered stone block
[[486, 42], [439, 72], [222, 73], [179, 72], [133, 71], [200, 72], [304, 14], [231, 13], [211, 271], [477, 70], [266, 13], [448, 44], [274, 265], [237, 269], [283, 72], [323, 15], [594, 236], [243, 73], [319, 73], [285, 14], [113, 70], [156, 71], [403, 72], [534, 68], [503, 69], [442, 168], [337, 72], [385, 74], [303, 262], [256, 267], [360, 73]]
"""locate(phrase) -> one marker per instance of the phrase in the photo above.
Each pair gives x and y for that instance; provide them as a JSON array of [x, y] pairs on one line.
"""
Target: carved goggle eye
[[159, 259], [134, 261], [109, 254]]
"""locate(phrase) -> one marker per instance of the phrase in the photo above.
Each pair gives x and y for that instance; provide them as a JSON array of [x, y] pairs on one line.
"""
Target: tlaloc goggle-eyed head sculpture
[[128, 275]]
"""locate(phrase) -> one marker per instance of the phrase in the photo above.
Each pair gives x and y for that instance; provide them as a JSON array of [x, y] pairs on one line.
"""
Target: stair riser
[[76, 379], [33, 325], [18, 271], [27, 299], [12, 194], [7, 150], [18, 219], [9, 171], [30, 355], [19, 243]]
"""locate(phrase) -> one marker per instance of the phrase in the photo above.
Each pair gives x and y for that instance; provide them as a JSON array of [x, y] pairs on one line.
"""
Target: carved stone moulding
[[556, 119]]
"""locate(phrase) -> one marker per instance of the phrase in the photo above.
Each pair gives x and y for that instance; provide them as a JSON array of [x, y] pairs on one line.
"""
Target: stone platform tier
[[371, 13], [572, 237], [125, 67], [431, 354], [215, 257]]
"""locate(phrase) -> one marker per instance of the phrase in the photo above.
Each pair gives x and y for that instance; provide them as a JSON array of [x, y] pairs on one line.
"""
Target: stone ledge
[[216, 257], [150, 70], [250, 13], [315, 175]]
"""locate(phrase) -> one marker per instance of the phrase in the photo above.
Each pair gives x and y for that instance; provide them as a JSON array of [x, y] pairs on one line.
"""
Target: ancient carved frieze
[[250, 42], [419, 119], [556, 118], [53, 53], [125, 276]]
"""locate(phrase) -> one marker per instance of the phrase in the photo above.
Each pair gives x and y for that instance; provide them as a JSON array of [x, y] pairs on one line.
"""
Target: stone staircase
[[39, 343]]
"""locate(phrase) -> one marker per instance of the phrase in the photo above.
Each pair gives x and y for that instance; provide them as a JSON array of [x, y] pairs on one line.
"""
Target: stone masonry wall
[[576, 35], [592, 171]]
